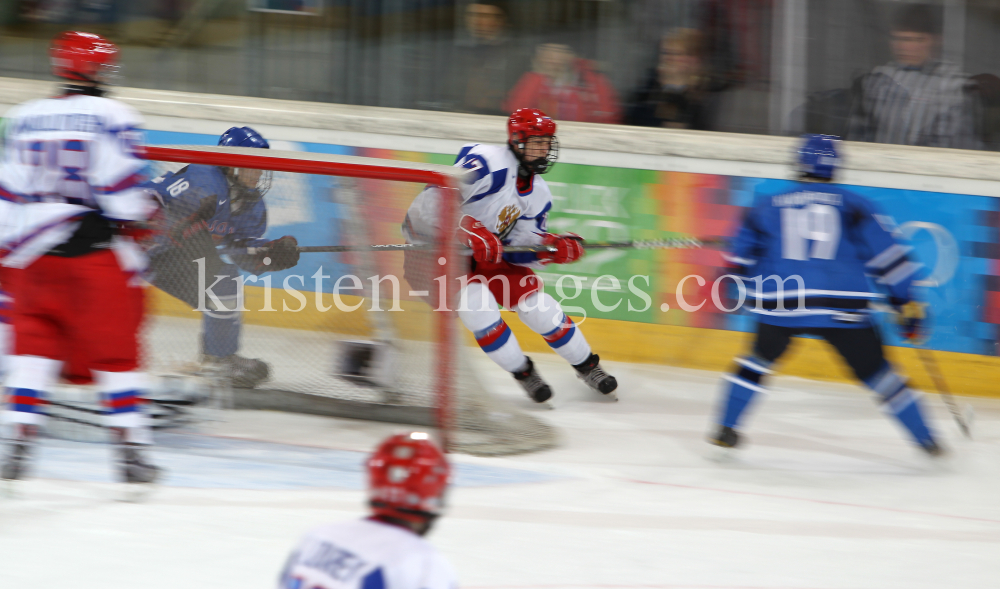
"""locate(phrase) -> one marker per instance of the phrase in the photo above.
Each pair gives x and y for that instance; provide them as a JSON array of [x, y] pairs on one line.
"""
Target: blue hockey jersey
[[816, 255], [202, 194]]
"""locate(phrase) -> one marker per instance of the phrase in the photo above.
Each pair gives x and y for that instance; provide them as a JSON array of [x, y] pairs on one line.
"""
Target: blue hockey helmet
[[818, 157], [243, 137], [253, 184]]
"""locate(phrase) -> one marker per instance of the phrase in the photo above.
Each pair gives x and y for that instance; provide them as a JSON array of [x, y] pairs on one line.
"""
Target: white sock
[[480, 314], [545, 317]]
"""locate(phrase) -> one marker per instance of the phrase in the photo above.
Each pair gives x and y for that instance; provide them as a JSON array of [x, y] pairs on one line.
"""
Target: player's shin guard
[[221, 329], [480, 314], [903, 403], [544, 316], [122, 397], [28, 379], [743, 386]]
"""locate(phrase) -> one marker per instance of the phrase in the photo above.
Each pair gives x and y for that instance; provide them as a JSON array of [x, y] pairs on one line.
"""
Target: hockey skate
[[590, 372], [726, 437], [17, 456], [538, 390], [243, 373], [134, 468]]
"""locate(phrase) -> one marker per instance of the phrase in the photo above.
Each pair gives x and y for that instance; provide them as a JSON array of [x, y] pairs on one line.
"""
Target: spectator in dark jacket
[[678, 92], [485, 65], [566, 88]]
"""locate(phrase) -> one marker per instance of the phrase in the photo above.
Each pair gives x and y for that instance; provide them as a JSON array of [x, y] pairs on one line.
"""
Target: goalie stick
[[669, 243]]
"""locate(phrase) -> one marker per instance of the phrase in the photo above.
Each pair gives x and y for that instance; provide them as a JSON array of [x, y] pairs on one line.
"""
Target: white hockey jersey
[[64, 158], [365, 554], [490, 195]]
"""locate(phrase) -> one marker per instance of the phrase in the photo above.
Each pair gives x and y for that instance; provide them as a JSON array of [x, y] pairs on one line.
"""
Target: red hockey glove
[[486, 246], [911, 318], [569, 248], [284, 254]]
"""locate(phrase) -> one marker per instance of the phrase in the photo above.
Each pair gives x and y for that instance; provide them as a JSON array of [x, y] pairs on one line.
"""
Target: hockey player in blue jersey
[[208, 207], [828, 247]]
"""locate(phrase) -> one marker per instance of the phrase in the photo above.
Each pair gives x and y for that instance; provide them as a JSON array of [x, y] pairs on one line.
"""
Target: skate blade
[[136, 492], [722, 455], [612, 396]]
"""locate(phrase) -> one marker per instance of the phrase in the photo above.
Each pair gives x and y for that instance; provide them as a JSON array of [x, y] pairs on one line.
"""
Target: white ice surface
[[827, 494]]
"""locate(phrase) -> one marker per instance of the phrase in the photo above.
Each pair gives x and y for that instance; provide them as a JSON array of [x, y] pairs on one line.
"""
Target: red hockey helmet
[[407, 478], [525, 123], [83, 57]]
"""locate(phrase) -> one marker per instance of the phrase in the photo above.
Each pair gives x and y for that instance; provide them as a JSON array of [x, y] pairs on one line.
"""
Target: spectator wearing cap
[[916, 99]]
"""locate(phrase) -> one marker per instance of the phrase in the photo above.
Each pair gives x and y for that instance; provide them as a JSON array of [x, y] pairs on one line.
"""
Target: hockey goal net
[[347, 334]]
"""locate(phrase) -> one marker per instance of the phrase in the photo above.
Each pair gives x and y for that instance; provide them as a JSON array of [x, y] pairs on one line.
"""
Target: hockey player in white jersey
[[407, 479], [70, 181], [506, 202]]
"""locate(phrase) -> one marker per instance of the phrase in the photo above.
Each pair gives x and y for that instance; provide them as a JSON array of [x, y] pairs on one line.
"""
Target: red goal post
[[461, 412]]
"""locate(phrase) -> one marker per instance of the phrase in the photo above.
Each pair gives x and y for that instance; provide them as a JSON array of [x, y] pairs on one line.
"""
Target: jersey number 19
[[816, 224]]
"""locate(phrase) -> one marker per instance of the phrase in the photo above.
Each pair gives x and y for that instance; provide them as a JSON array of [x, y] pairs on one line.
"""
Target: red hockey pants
[[81, 310]]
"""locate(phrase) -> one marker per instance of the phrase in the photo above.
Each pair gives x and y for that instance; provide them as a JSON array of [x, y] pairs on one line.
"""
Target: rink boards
[[616, 183]]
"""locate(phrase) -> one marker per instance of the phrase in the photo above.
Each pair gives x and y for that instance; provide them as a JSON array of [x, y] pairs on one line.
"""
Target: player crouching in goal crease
[[70, 181], [506, 202], [205, 207], [836, 242], [407, 479]]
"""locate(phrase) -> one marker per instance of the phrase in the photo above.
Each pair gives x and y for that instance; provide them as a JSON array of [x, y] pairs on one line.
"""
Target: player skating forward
[[206, 207], [407, 478], [70, 176], [838, 243], [505, 201]]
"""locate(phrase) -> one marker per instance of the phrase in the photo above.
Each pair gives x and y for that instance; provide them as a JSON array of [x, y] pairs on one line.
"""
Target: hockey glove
[[911, 318], [569, 248], [284, 254], [486, 246]]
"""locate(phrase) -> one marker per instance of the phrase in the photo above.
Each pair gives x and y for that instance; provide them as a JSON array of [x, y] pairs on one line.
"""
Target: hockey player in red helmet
[[407, 479], [505, 201], [70, 180]]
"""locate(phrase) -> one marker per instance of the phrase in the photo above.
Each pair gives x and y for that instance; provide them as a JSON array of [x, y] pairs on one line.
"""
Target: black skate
[[244, 373], [18, 453], [726, 437], [132, 464], [590, 372], [933, 449], [537, 389]]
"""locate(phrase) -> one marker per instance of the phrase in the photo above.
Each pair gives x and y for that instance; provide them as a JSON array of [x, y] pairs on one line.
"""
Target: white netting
[[367, 364]]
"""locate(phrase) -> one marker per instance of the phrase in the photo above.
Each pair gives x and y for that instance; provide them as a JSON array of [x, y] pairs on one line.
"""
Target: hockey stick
[[669, 243], [932, 368]]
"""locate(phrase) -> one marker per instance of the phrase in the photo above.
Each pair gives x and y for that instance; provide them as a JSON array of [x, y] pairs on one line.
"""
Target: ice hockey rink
[[826, 495]]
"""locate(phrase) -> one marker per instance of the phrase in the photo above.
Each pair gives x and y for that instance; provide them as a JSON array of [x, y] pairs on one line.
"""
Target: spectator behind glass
[[566, 87], [916, 99], [483, 69], [676, 92]]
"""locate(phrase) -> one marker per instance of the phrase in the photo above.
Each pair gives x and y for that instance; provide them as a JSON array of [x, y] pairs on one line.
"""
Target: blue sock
[[742, 387], [901, 402]]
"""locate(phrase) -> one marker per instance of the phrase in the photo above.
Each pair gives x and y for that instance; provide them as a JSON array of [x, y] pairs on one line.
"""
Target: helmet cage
[[541, 165], [250, 193]]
